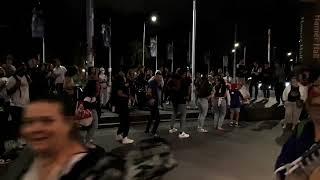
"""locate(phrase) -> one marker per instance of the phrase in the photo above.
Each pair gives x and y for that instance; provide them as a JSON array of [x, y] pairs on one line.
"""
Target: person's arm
[[228, 97], [13, 85], [286, 93], [303, 93], [28, 79]]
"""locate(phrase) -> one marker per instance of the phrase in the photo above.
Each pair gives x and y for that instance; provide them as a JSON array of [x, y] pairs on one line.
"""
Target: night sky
[[65, 27]]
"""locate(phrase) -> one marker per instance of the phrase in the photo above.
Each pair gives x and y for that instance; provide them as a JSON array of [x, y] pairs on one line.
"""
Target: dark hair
[[67, 112], [91, 88], [221, 81], [90, 70]]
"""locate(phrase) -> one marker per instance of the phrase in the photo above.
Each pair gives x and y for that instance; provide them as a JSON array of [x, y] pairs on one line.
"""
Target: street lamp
[[236, 45], [154, 18], [233, 50], [289, 54]]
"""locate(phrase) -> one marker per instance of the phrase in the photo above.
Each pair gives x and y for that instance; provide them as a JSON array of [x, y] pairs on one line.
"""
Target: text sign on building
[[316, 38]]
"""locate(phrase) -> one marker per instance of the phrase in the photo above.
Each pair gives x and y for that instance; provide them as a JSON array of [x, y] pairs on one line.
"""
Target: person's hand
[[152, 102]]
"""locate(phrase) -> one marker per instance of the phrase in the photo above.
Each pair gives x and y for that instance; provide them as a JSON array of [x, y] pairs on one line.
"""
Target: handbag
[[83, 116]]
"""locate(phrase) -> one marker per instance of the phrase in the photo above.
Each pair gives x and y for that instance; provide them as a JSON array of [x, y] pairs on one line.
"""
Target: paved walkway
[[246, 153]]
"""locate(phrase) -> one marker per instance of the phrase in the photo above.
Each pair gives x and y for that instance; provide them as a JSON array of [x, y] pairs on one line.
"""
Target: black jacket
[[148, 160]]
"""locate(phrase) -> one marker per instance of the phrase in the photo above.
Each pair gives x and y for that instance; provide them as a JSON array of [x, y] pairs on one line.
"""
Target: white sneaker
[[173, 130], [201, 130], [119, 137], [127, 141], [183, 135]]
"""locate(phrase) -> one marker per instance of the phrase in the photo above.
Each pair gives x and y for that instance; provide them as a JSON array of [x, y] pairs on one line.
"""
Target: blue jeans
[[181, 108], [219, 110], [203, 111]]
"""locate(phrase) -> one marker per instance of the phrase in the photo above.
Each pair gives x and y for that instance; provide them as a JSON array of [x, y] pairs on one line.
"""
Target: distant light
[[236, 45], [259, 85], [233, 50], [289, 54], [269, 87], [154, 18], [287, 84], [83, 70], [249, 78], [291, 60]]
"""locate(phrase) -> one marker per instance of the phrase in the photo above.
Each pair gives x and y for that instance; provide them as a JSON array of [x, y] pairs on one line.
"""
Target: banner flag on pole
[[153, 47], [225, 61], [170, 51], [106, 34], [37, 23]]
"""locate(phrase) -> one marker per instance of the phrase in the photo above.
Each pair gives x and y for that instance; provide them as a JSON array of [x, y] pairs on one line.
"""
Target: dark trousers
[[266, 90], [254, 84], [124, 119], [3, 130], [155, 115], [15, 123], [278, 89], [59, 88]]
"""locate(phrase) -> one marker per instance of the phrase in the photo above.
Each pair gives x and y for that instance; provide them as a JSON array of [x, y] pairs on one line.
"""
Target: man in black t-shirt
[[179, 90], [121, 99], [153, 96], [266, 80]]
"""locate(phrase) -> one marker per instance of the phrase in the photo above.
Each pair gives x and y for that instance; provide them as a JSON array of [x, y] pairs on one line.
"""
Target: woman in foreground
[[55, 151]]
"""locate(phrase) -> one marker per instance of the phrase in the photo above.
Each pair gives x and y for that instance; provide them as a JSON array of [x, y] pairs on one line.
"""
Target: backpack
[[83, 116]]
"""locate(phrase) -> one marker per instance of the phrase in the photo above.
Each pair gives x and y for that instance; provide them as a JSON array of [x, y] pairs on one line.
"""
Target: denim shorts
[[234, 109]]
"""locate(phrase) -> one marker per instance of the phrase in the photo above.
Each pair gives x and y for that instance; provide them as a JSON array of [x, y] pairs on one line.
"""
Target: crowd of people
[[22, 84], [139, 88]]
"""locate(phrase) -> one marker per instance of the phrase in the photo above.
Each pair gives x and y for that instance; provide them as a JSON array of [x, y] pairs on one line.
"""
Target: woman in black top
[[91, 103], [293, 96], [121, 94], [203, 93], [220, 101]]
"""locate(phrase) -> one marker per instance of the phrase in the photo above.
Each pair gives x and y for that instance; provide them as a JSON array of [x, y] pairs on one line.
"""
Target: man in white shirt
[[59, 74], [18, 91]]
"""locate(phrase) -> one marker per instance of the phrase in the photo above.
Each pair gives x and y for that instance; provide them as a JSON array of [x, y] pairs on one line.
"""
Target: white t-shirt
[[20, 97], [103, 81], [3, 92], [59, 73]]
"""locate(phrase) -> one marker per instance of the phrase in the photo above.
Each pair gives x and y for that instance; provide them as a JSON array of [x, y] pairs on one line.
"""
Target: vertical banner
[[37, 28], [106, 35], [37, 23], [309, 43], [170, 51], [153, 47], [269, 46], [225, 61], [316, 37]]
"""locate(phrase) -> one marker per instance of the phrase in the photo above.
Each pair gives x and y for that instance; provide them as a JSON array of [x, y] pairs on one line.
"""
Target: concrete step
[[257, 111]]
